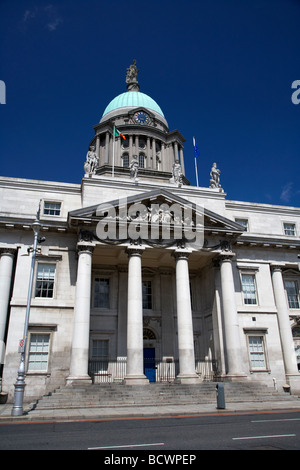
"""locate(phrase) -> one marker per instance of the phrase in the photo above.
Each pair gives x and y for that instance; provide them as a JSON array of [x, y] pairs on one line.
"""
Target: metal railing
[[163, 370]]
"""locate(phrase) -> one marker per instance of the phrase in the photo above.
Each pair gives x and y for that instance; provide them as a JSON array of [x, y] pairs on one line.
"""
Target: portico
[[155, 284]]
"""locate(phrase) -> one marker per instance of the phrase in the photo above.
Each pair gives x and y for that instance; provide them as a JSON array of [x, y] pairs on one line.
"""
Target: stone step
[[118, 395]]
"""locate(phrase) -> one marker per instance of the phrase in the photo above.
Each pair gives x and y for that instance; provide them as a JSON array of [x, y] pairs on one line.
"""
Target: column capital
[[8, 251], [135, 250], [181, 254], [225, 256], [85, 247], [276, 267]]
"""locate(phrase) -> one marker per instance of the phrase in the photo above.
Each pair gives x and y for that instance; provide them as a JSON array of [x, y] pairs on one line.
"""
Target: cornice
[[268, 241], [262, 208], [24, 223], [38, 185]]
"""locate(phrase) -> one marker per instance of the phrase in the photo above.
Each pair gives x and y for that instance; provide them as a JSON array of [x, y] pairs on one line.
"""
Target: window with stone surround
[[289, 229], [45, 277], [249, 289], [147, 294], [52, 208], [38, 353], [292, 291], [257, 352]]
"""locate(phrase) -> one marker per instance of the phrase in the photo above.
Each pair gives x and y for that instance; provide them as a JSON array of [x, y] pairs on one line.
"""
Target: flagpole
[[113, 159], [196, 153], [196, 172]]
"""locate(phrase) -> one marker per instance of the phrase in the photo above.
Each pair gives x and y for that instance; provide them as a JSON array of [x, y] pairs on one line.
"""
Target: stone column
[[122, 314], [182, 160], [106, 148], [81, 328], [153, 165], [167, 311], [130, 148], [286, 337], [230, 318], [175, 152], [135, 353], [148, 153], [187, 373], [6, 267], [98, 148], [163, 157]]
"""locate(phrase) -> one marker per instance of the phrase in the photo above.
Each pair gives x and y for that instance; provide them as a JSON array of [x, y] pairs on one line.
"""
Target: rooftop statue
[[134, 167], [177, 174], [215, 177], [131, 77], [91, 161]]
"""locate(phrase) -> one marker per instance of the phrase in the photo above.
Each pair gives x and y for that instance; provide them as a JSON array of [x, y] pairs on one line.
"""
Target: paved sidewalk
[[119, 412]]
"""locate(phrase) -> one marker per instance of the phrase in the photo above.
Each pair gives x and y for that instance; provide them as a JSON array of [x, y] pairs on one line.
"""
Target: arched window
[[148, 334]]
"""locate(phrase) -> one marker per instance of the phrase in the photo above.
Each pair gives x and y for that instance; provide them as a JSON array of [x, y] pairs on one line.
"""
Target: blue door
[[149, 364]]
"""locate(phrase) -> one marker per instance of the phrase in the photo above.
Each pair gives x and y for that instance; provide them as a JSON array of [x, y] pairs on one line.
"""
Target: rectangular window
[[100, 355], [52, 208], [147, 294], [289, 229], [249, 289], [292, 293], [257, 352], [45, 280], [243, 222], [141, 160], [125, 158], [38, 352], [101, 293]]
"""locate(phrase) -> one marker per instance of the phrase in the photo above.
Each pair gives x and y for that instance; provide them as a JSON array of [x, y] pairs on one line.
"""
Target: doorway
[[149, 364]]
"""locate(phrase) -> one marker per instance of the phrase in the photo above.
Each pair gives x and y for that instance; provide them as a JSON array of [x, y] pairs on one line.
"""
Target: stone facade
[[225, 309]]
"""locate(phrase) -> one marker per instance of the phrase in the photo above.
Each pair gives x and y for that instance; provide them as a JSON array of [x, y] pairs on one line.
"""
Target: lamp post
[[17, 409]]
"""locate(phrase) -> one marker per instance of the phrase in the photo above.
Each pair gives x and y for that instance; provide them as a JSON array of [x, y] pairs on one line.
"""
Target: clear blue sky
[[221, 70]]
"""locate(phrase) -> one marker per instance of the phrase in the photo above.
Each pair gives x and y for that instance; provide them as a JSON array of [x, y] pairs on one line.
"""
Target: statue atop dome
[[131, 77]]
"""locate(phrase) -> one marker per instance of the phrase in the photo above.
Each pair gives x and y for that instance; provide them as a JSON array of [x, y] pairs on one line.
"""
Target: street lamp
[[17, 409]]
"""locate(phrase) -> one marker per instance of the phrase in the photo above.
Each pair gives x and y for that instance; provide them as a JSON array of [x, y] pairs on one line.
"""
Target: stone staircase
[[118, 395]]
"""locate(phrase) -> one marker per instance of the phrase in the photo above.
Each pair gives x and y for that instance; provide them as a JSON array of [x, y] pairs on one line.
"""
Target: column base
[[135, 380], [294, 383], [187, 379], [79, 380]]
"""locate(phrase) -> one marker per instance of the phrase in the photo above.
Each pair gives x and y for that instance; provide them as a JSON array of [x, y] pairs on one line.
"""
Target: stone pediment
[[158, 207]]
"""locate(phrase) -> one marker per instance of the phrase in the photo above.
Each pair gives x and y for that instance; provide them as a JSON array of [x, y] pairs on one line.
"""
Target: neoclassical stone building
[[122, 292]]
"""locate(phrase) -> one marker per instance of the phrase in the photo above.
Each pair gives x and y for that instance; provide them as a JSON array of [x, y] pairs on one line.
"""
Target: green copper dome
[[133, 99]]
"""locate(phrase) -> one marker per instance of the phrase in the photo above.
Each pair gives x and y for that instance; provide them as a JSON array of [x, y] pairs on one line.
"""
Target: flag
[[117, 133], [196, 150]]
